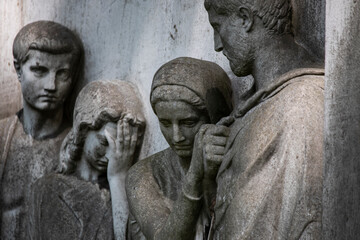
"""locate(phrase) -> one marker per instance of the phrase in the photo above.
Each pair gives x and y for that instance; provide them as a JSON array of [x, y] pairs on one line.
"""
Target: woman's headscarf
[[206, 79]]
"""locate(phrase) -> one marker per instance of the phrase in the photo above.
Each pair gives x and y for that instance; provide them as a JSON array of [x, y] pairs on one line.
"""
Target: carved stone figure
[[76, 202], [165, 190], [47, 59], [270, 180]]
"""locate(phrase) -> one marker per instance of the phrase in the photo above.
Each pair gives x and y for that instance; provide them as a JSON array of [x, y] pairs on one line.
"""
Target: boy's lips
[[48, 97]]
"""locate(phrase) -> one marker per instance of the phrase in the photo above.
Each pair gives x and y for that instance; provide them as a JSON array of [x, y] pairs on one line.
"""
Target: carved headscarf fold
[[206, 79]]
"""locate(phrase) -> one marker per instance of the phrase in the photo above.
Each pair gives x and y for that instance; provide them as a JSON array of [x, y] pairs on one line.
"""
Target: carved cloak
[[23, 160], [65, 207], [270, 181], [160, 176]]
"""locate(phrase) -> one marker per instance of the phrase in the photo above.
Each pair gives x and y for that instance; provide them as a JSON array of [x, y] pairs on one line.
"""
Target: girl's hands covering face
[[121, 150]]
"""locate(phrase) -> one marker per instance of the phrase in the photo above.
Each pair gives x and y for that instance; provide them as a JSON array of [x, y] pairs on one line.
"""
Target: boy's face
[[46, 80]]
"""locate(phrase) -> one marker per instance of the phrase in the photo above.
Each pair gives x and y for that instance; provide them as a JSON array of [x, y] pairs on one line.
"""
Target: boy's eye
[[63, 74], [38, 70]]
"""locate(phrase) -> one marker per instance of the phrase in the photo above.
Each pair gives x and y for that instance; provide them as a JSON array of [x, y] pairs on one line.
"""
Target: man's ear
[[247, 16], [17, 66]]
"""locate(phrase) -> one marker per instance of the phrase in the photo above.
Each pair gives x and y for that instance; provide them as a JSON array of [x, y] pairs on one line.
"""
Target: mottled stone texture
[[86, 199], [30, 140], [168, 191], [10, 23], [270, 181], [341, 213], [131, 39], [27, 160]]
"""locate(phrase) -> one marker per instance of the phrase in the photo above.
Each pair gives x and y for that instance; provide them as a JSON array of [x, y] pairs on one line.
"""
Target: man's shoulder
[[300, 92]]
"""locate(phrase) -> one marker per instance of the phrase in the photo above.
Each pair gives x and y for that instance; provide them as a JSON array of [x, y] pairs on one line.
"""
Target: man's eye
[[38, 70]]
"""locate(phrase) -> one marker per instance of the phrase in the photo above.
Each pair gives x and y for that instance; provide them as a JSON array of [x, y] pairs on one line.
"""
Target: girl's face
[[96, 146], [179, 123]]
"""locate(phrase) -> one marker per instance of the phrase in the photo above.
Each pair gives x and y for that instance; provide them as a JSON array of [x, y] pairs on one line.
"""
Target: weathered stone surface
[[131, 39], [165, 190], [30, 141], [341, 213], [95, 156], [270, 180]]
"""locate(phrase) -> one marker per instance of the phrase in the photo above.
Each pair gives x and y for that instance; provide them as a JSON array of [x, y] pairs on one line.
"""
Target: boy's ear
[[17, 66]]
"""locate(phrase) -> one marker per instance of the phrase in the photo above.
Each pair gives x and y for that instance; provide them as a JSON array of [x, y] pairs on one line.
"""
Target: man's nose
[[217, 42], [177, 134], [50, 81]]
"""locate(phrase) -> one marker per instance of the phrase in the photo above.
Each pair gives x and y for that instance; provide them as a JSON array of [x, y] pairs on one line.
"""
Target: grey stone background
[[130, 39]]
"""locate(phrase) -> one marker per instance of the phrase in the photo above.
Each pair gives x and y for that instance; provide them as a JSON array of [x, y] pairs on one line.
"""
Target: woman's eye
[[189, 123], [164, 123], [103, 141]]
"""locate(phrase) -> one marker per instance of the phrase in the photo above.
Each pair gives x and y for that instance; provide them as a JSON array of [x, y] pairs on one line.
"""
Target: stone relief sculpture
[[76, 203], [270, 180], [47, 59], [165, 191]]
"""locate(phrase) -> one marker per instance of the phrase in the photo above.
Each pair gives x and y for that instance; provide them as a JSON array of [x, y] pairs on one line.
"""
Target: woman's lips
[[184, 147], [103, 162]]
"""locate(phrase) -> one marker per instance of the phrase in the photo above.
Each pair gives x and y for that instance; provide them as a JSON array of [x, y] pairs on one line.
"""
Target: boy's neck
[[41, 125]]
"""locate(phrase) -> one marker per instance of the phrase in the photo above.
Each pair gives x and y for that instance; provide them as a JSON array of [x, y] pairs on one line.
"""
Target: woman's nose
[[177, 134]]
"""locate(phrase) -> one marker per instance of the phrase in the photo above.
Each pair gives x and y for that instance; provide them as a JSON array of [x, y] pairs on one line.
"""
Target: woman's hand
[[121, 150], [214, 143]]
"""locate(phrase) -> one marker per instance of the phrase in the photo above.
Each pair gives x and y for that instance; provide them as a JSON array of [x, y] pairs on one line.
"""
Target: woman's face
[[179, 123], [96, 146]]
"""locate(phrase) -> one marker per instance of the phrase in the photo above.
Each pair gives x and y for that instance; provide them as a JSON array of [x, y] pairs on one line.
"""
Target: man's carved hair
[[275, 14]]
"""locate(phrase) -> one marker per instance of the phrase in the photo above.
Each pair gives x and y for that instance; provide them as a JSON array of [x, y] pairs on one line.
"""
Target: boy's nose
[[50, 82]]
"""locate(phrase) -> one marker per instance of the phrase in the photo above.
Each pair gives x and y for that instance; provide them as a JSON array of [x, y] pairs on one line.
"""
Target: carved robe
[[65, 207], [22, 161], [270, 181], [156, 184]]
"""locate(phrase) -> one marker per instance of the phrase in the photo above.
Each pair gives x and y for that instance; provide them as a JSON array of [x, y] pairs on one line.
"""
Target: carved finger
[[120, 136], [215, 150], [134, 138], [110, 139], [215, 160], [127, 136], [218, 131], [226, 121], [215, 140], [129, 118], [201, 133]]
